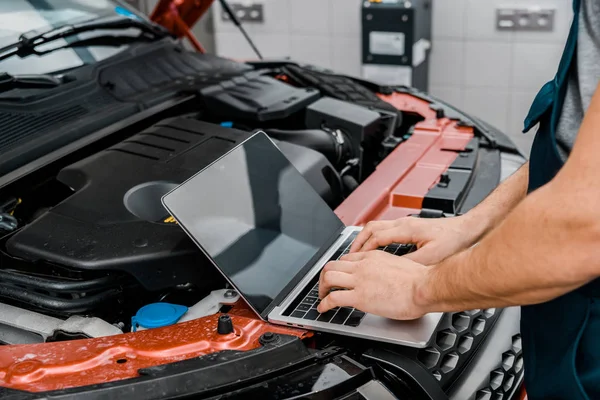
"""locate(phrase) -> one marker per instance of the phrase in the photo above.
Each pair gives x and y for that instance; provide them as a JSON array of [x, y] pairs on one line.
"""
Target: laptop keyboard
[[348, 316]]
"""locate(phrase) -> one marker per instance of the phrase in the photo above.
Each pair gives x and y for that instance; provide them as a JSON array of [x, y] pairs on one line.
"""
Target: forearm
[[490, 212], [546, 247]]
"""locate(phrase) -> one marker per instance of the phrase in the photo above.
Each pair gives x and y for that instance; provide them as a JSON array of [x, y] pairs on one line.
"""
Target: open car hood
[[179, 16]]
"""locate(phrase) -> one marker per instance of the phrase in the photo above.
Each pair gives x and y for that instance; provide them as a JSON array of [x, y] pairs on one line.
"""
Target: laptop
[[270, 234]]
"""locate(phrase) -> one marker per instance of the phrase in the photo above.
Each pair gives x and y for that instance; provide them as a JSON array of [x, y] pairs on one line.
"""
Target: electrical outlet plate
[[246, 12], [533, 19]]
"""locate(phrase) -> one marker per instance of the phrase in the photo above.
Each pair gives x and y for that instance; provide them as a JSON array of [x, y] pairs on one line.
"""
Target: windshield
[[20, 16]]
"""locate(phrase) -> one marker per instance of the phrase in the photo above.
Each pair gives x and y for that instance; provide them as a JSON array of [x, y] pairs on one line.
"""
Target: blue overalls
[[561, 338]]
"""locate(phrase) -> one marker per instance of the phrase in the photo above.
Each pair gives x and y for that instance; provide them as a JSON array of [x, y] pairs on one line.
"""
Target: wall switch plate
[[532, 19], [251, 12]]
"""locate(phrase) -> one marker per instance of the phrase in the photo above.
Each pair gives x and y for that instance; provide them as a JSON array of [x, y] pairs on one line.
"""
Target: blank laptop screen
[[257, 217]]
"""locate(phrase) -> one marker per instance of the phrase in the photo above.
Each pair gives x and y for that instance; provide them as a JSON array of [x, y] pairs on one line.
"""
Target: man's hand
[[375, 282], [436, 239], [546, 247]]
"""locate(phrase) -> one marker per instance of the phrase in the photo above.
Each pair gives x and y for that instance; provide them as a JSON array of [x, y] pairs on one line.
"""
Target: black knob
[[440, 113], [387, 90], [444, 181], [267, 337], [225, 325]]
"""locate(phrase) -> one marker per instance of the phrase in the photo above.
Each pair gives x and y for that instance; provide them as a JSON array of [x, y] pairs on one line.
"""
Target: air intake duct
[[333, 144]]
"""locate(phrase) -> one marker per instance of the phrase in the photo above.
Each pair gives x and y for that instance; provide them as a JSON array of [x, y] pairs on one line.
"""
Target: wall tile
[[204, 32], [524, 142], [534, 64], [562, 23], [314, 50], [146, 6], [310, 17], [221, 26], [347, 54], [480, 20], [448, 19], [447, 62], [273, 46], [487, 64], [453, 95], [233, 45], [277, 18], [489, 105], [345, 16], [520, 103]]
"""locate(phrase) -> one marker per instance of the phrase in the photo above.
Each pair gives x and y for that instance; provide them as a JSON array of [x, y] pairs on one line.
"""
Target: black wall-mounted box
[[396, 41]]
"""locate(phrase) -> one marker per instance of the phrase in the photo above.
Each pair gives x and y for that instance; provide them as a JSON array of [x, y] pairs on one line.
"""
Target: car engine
[[95, 241]]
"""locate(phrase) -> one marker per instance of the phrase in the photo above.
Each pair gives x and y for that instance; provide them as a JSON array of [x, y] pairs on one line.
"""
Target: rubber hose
[[56, 304], [51, 285], [349, 183], [314, 139]]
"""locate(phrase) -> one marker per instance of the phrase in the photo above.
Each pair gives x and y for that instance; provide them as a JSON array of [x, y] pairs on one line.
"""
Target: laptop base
[[417, 333]]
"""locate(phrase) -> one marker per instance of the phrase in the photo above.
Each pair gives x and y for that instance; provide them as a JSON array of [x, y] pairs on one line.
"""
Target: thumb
[[403, 232], [380, 239], [426, 255]]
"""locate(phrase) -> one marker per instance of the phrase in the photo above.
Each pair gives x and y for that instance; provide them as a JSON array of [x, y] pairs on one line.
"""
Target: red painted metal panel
[[53, 366], [402, 180]]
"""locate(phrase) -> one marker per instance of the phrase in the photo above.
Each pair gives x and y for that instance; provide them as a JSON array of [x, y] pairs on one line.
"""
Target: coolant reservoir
[[157, 315]]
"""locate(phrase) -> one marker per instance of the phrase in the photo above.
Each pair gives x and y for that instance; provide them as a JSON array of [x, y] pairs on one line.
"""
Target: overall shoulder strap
[[565, 64], [552, 90]]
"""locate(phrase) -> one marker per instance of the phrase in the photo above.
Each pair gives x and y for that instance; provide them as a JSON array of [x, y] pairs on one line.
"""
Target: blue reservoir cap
[[157, 315], [227, 124], [125, 12]]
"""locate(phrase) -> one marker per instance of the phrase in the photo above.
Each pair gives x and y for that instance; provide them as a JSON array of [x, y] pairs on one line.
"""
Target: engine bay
[[94, 241], [85, 248]]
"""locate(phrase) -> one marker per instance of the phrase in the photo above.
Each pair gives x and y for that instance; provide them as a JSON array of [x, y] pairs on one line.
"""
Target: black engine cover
[[115, 220]]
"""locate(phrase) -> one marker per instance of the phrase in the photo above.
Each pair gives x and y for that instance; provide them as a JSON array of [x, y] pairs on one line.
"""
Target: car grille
[[503, 380], [458, 336]]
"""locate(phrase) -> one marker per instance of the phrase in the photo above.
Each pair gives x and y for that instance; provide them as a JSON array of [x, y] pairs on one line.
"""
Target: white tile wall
[[561, 24], [480, 20], [346, 54], [312, 49], [233, 45], [520, 101], [491, 104], [310, 17], [447, 63], [503, 70], [491, 74], [487, 64], [450, 93], [445, 11], [345, 17], [534, 64], [278, 18]]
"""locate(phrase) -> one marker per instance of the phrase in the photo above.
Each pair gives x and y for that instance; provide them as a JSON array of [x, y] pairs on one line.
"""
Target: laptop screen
[[257, 217]]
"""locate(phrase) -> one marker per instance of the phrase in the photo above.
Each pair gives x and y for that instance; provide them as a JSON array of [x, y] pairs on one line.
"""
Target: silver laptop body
[[270, 234]]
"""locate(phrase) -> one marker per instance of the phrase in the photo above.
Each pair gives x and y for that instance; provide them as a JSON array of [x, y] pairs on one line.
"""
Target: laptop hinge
[[300, 275]]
